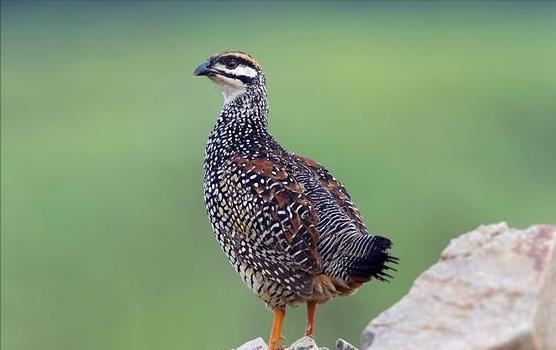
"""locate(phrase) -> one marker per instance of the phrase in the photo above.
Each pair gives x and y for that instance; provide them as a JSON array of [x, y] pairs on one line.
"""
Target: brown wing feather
[[336, 189], [281, 228]]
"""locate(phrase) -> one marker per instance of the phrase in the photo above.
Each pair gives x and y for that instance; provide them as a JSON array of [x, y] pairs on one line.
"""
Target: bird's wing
[[279, 234], [335, 188]]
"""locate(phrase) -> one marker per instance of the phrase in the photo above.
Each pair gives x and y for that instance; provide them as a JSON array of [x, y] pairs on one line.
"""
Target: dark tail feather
[[371, 259]]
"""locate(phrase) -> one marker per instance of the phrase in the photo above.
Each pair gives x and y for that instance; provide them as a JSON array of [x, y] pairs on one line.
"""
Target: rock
[[493, 289], [305, 343], [255, 344], [344, 345]]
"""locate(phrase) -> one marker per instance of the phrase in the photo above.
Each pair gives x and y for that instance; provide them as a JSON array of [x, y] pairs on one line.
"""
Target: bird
[[287, 226]]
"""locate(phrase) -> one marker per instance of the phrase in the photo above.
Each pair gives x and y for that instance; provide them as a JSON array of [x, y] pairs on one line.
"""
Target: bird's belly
[[272, 293]]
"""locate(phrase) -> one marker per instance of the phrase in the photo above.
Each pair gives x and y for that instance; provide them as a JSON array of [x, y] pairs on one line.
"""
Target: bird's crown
[[239, 56]]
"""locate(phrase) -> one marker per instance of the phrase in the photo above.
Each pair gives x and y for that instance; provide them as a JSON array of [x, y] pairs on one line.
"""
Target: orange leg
[[311, 315], [278, 317]]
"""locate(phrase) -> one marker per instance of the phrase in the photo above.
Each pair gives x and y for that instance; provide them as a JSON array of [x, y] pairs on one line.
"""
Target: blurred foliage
[[437, 117]]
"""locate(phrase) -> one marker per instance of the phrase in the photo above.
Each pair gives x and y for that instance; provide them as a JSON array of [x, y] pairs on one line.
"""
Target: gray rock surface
[[344, 345], [494, 288], [305, 343], [255, 344]]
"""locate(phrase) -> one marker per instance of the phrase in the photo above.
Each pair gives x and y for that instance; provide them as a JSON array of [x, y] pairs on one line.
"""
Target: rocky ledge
[[493, 288], [305, 343]]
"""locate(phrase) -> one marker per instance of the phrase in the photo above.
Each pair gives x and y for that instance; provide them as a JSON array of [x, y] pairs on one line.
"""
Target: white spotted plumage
[[287, 226]]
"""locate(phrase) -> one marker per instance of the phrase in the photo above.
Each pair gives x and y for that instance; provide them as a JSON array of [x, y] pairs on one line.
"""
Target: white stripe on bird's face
[[232, 87], [240, 70]]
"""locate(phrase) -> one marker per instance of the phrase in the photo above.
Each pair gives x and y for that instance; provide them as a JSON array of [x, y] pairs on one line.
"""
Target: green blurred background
[[437, 117]]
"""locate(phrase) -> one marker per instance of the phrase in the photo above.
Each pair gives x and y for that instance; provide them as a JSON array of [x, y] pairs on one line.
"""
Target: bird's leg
[[311, 315], [278, 317]]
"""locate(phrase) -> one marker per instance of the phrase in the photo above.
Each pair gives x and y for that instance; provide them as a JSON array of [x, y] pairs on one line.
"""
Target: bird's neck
[[241, 126], [245, 116], [249, 108]]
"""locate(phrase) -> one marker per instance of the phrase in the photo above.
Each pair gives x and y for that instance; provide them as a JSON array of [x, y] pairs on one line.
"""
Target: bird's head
[[233, 72]]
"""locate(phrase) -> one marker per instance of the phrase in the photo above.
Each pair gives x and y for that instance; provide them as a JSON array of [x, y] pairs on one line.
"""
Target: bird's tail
[[368, 257]]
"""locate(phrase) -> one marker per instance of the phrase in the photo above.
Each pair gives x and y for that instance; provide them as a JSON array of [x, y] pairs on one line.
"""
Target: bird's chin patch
[[231, 88]]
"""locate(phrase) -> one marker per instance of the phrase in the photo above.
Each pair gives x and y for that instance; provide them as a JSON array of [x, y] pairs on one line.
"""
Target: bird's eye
[[232, 63]]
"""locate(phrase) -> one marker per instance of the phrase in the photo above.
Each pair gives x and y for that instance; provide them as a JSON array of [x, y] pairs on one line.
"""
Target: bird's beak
[[203, 69]]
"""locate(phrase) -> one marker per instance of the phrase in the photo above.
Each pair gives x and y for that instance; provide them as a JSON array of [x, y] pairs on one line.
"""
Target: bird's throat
[[246, 113], [241, 127]]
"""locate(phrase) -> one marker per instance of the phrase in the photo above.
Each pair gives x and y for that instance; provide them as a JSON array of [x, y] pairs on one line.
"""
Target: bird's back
[[349, 254]]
